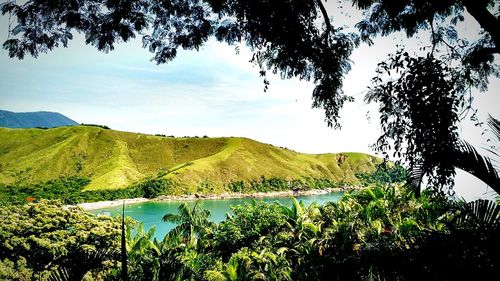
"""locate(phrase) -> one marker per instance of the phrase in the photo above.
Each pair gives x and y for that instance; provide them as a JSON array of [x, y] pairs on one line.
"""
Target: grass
[[113, 159]]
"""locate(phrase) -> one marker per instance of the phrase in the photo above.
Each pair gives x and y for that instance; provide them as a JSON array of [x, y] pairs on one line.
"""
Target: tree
[[142, 254], [385, 16], [420, 109], [191, 222], [285, 38], [419, 112], [43, 239]]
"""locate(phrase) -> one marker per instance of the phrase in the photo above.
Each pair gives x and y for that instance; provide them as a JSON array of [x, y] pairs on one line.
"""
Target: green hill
[[113, 159]]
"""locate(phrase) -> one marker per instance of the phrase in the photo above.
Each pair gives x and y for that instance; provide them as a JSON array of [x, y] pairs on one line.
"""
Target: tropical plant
[[248, 264], [469, 160], [419, 111], [181, 257], [482, 167], [191, 222], [229, 271], [246, 225], [142, 254], [382, 232], [385, 173], [75, 267]]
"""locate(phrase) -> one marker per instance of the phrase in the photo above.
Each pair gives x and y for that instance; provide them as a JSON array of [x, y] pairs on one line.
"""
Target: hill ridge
[[114, 159]]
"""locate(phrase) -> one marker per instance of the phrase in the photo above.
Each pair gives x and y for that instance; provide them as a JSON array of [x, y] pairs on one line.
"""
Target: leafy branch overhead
[[419, 112], [284, 35], [387, 16], [421, 100]]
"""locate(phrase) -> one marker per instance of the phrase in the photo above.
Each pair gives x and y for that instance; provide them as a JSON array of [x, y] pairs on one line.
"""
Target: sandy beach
[[104, 204]]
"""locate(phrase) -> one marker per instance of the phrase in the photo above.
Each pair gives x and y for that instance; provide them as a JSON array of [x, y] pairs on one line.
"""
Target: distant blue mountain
[[34, 119]]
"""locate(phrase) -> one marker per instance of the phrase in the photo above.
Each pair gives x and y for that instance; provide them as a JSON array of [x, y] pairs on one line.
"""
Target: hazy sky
[[212, 92]]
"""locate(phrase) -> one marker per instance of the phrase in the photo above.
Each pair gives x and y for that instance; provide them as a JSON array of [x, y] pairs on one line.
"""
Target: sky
[[213, 91]]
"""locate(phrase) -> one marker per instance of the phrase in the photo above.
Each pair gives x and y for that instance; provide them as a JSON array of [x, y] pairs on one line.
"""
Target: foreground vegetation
[[39, 238], [379, 233]]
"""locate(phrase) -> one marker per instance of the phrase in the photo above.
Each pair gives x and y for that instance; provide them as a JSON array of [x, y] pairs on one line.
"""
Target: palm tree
[[141, 242], [480, 214], [171, 249], [142, 254], [298, 217], [81, 262], [191, 222], [251, 265], [494, 125], [304, 231]]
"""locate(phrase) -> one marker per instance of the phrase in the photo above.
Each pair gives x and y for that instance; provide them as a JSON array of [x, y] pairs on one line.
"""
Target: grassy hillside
[[113, 159]]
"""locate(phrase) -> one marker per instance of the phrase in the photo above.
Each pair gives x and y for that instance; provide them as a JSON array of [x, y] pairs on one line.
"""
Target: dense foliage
[[424, 94], [379, 233], [97, 125], [38, 239], [419, 112], [278, 184], [386, 173], [71, 190]]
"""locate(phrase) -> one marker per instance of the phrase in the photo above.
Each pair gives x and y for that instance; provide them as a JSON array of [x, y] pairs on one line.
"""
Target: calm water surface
[[150, 213]]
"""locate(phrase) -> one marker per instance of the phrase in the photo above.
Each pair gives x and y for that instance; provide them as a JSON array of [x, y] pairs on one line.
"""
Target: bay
[[150, 213]]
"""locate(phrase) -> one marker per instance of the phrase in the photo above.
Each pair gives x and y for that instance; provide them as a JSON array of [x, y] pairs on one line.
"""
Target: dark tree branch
[[487, 51], [488, 21], [325, 16]]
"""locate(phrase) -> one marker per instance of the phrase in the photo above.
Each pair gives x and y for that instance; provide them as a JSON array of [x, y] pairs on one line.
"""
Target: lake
[[150, 213]]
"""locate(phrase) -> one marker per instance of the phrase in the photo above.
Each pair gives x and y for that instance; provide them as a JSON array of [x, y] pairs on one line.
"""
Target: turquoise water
[[150, 213]]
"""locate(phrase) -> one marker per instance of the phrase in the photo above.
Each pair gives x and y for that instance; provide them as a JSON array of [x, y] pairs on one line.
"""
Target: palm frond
[[469, 160], [60, 274], [186, 212], [494, 125], [76, 266], [480, 214], [172, 218], [415, 177]]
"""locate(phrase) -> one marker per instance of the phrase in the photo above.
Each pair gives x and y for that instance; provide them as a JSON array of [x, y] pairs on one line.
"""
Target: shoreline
[[88, 206]]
